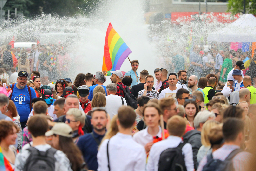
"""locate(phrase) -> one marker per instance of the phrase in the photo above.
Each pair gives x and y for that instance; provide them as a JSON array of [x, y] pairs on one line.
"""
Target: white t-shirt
[[62, 162], [167, 93], [231, 78], [13, 77], [143, 137], [50, 112], [113, 102]]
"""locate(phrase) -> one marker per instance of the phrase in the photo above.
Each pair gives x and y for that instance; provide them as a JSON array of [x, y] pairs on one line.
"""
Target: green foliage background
[[237, 6]]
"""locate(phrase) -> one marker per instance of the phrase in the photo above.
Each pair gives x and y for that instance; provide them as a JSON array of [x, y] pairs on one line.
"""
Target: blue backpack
[[219, 165]]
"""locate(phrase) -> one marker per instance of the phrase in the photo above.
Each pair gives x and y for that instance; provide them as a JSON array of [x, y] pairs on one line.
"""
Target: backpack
[[129, 98], [219, 165], [172, 159], [40, 160]]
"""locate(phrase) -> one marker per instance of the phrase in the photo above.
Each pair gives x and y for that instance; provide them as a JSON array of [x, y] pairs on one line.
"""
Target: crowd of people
[[184, 120]]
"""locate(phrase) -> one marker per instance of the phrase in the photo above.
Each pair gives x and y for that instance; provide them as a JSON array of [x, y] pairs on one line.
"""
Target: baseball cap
[[237, 72], [23, 74], [118, 73], [83, 90], [240, 64], [68, 80], [67, 91], [60, 129]]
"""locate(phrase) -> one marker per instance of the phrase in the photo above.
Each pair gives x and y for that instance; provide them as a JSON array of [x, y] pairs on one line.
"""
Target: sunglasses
[[68, 121], [135, 65], [60, 81], [190, 100], [158, 69]]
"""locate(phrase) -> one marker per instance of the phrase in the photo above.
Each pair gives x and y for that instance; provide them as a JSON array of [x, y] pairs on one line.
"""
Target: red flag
[[12, 42], [37, 42]]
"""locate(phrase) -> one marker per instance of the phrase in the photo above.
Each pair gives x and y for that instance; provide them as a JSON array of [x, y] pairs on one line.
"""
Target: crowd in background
[[195, 119]]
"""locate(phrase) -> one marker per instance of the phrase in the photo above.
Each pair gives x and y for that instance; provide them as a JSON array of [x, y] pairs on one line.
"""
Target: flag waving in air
[[115, 51]]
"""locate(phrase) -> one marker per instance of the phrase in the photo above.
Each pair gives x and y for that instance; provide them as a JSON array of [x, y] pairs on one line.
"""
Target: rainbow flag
[[2, 164], [115, 51]]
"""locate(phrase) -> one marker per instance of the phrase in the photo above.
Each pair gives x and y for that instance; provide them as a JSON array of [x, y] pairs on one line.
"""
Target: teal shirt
[[226, 64], [131, 73]]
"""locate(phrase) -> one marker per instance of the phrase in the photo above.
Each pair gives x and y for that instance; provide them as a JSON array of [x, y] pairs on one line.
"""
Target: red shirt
[[86, 105]]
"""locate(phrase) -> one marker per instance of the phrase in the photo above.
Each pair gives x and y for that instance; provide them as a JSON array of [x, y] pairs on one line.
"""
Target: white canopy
[[241, 30]]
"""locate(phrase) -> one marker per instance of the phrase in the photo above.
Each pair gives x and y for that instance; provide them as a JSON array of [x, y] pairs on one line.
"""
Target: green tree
[[237, 6], [21, 5]]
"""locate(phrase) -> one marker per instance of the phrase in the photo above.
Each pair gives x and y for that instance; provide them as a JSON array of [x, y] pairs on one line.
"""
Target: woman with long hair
[[79, 80], [75, 118], [113, 129], [206, 145], [8, 136], [65, 144], [191, 110], [60, 85], [12, 113]]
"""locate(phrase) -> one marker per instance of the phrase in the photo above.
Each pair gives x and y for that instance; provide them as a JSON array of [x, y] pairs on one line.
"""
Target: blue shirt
[[89, 149], [91, 91], [132, 74], [21, 99], [246, 59]]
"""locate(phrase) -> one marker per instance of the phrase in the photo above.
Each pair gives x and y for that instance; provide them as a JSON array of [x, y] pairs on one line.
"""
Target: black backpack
[[219, 165], [172, 159], [40, 160], [129, 98]]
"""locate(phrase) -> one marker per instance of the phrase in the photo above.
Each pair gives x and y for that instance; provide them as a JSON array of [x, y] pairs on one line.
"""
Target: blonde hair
[[98, 89], [78, 115], [98, 100], [113, 129], [206, 130]]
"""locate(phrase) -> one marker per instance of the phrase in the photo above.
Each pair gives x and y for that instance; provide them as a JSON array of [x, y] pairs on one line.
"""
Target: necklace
[[5, 149]]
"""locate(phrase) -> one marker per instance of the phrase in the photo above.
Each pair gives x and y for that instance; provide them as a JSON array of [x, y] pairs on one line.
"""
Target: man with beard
[[192, 84], [117, 77], [182, 78], [22, 96], [89, 143]]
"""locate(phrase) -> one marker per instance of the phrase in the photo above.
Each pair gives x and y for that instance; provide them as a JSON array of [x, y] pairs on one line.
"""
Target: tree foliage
[[237, 6], [32, 8]]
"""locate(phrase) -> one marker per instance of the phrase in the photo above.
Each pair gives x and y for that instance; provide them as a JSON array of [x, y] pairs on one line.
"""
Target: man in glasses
[[22, 96], [133, 72], [148, 89], [181, 95]]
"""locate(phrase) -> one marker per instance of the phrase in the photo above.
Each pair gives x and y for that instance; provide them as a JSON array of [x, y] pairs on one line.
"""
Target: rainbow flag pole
[[115, 51]]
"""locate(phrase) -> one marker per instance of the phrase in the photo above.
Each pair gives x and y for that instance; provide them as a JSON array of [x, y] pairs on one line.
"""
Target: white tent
[[241, 30]]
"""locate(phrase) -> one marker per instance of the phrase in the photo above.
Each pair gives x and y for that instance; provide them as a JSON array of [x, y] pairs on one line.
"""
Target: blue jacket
[[133, 76], [89, 149], [21, 99]]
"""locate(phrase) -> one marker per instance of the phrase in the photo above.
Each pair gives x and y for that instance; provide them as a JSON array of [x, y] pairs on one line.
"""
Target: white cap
[[60, 129], [118, 73]]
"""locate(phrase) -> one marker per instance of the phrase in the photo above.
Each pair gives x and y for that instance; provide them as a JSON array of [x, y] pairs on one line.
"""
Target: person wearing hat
[[69, 82], [237, 74], [28, 158], [133, 72], [85, 103], [62, 140], [22, 96], [67, 91], [99, 80], [230, 78], [116, 78]]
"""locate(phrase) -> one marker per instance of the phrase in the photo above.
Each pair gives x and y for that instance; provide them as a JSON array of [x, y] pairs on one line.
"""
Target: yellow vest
[[206, 90], [253, 94]]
